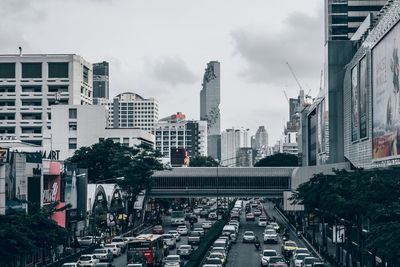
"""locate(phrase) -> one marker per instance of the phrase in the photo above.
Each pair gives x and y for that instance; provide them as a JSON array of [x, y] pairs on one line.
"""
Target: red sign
[[3, 155]]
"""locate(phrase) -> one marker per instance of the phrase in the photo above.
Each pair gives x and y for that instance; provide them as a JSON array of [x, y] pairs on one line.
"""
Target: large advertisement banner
[[363, 99], [386, 107], [354, 104]]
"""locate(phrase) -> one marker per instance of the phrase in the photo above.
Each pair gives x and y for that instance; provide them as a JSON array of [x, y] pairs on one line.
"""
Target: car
[[182, 230], [172, 261], [250, 217], [309, 261], [270, 235], [176, 234], [249, 236], [276, 226], [266, 254], [320, 264], [212, 216], [235, 214], [203, 213], [193, 218], [234, 222], [88, 260], [276, 261], [225, 242], [257, 212], [220, 250], [300, 250], [288, 248], [206, 225], [215, 261], [299, 257], [218, 255], [86, 241], [70, 264], [135, 265], [103, 264], [185, 251], [200, 230], [114, 249], [227, 239], [197, 211], [158, 229], [103, 254], [220, 244], [120, 243], [194, 238], [262, 221], [169, 240]]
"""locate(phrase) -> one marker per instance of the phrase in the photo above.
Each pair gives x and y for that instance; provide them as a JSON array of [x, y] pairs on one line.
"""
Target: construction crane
[[294, 75], [287, 98], [320, 81]]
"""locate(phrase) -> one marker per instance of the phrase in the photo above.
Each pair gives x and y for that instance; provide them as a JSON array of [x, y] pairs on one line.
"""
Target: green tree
[[278, 160], [106, 160], [201, 161]]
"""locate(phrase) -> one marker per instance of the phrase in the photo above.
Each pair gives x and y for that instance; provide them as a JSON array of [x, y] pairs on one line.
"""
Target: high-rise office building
[[231, 141], [128, 110], [31, 84], [343, 17], [209, 107], [260, 144], [174, 132], [101, 77]]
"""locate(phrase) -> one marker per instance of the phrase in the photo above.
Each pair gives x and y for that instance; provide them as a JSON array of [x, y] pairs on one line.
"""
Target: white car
[[114, 249], [249, 236], [172, 261], [176, 234], [206, 225], [266, 254], [70, 264], [212, 216], [270, 235], [262, 221], [169, 240], [103, 254], [182, 229], [300, 250], [120, 243], [88, 260], [298, 259]]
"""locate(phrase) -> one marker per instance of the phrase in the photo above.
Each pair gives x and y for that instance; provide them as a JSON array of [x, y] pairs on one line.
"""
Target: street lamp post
[[95, 202]]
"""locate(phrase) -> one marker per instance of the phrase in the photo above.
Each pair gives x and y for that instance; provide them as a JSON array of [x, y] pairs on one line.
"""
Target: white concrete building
[[73, 127], [31, 84], [129, 110], [231, 141], [176, 132]]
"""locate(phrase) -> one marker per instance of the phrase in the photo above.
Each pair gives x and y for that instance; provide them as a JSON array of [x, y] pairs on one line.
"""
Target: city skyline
[[165, 51]]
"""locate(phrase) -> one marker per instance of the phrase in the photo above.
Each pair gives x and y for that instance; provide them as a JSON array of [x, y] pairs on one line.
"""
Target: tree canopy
[[278, 160], [372, 195], [107, 160], [201, 161], [24, 234]]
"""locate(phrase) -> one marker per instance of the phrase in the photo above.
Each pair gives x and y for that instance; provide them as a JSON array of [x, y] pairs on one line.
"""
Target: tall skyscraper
[[31, 84], [101, 86], [260, 144], [231, 141], [210, 98], [343, 17]]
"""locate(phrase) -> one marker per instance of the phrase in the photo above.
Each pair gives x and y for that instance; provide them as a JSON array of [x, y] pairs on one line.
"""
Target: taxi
[[288, 247], [218, 255], [276, 226]]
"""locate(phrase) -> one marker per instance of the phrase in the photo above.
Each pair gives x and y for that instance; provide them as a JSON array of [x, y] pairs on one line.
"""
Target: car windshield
[[172, 258], [249, 233], [222, 250], [269, 253], [290, 244], [110, 246], [216, 255], [173, 232], [99, 251], [302, 250], [214, 261], [184, 247], [157, 227], [117, 240], [310, 260], [168, 236], [194, 233], [262, 219], [276, 259], [198, 229], [270, 232], [85, 258], [301, 256], [182, 227]]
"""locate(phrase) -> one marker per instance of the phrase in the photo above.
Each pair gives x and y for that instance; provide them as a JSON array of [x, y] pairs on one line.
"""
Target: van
[[230, 231]]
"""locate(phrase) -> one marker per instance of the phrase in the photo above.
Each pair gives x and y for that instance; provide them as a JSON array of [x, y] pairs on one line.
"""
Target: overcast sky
[[160, 49]]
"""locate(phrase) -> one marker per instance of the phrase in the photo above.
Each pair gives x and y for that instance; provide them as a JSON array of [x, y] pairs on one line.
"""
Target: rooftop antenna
[[20, 51]]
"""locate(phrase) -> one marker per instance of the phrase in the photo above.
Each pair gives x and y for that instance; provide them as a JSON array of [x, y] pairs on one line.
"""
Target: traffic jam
[[253, 236]]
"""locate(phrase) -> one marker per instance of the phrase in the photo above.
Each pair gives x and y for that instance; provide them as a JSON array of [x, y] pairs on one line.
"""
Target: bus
[[177, 217], [146, 248]]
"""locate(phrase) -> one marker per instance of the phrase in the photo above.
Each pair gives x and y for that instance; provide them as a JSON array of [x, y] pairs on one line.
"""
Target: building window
[[72, 143], [126, 141], [58, 70], [85, 74], [31, 70], [73, 126], [7, 70], [73, 113]]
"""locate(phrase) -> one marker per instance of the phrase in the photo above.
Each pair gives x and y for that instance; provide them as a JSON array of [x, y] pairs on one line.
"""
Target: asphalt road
[[245, 254]]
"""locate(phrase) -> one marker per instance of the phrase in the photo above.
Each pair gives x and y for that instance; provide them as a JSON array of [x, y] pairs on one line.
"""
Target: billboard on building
[[363, 118], [179, 157], [354, 104], [386, 103]]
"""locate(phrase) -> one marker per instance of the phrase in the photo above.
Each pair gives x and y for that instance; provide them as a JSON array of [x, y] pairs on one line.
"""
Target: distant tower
[[101, 77], [210, 98]]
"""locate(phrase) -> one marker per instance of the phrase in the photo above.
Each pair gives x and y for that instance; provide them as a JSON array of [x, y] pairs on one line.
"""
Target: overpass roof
[[226, 172]]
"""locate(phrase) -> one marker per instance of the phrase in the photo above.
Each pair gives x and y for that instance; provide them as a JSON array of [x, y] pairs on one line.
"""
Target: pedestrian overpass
[[222, 181]]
